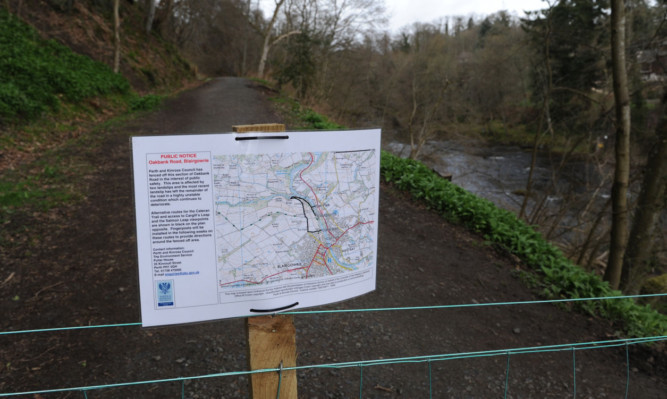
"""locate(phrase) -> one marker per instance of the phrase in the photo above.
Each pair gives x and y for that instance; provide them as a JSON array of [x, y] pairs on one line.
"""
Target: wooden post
[[272, 343], [271, 339]]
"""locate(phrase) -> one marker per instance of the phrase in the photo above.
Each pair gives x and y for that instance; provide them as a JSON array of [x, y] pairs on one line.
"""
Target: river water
[[499, 173], [572, 198]]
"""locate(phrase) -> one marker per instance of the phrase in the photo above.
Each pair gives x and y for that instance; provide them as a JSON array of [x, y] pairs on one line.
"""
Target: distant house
[[653, 63]]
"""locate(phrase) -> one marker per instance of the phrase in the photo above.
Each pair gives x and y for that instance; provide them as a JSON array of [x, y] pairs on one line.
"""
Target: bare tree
[[116, 36], [165, 17], [649, 205], [423, 122], [420, 89], [619, 229], [546, 76], [269, 39], [19, 7], [150, 15]]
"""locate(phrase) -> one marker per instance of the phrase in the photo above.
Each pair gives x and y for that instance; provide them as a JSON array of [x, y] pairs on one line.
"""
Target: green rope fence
[[408, 308], [574, 347], [377, 362]]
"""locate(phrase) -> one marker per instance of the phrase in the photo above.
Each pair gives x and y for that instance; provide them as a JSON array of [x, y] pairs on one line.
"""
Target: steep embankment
[[148, 62], [40, 76], [52, 98]]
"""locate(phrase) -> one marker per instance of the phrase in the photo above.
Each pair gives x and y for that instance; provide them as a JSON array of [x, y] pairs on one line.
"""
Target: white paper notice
[[232, 225]]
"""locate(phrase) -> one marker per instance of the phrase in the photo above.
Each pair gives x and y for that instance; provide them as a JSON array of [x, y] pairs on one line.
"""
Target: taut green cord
[[435, 307], [68, 328]]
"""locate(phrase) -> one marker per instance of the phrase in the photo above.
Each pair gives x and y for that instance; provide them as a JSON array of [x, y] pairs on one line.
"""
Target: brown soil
[[79, 268]]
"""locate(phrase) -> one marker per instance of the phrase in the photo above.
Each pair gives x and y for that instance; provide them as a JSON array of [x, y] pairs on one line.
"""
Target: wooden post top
[[261, 127]]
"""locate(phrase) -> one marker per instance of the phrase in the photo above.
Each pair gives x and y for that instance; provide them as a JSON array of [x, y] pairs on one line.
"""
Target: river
[[569, 201]]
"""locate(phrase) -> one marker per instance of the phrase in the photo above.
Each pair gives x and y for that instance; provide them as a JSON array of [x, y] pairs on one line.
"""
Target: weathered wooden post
[[272, 344], [271, 339]]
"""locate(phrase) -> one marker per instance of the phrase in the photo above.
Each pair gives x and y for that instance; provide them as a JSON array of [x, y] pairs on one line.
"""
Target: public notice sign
[[232, 225]]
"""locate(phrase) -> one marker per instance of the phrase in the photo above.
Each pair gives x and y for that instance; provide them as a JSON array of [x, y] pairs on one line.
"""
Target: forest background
[[543, 82]]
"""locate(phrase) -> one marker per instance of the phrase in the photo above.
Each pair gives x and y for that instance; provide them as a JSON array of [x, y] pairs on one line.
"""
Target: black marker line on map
[[244, 138], [308, 215], [275, 309]]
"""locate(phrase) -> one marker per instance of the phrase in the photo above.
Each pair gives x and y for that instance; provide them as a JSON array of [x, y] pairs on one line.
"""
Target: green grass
[[148, 102], [300, 117], [40, 192], [35, 189]]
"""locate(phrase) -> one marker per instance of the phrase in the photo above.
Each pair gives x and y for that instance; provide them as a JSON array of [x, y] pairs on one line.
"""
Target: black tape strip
[[244, 138], [274, 310]]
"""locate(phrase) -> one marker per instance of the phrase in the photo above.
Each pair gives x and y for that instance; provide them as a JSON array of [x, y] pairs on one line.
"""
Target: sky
[[405, 12]]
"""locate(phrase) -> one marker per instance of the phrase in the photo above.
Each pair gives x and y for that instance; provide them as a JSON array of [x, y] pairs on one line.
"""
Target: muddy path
[[80, 269]]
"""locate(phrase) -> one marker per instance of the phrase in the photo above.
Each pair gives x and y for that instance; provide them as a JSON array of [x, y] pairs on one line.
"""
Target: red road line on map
[[317, 252], [327, 249], [327, 263], [317, 200], [345, 232]]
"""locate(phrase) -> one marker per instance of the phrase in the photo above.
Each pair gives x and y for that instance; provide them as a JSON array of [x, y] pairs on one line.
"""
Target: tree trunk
[[619, 226], [265, 55], [544, 116], [649, 206], [166, 23], [150, 16], [267, 38], [116, 36], [246, 37]]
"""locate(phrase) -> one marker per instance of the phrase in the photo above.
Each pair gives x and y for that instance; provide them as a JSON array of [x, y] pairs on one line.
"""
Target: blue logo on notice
[[165, 293], [164, 287]]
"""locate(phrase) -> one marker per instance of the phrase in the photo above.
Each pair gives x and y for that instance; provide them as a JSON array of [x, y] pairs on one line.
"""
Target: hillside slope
[[52, 98], [86, 27]]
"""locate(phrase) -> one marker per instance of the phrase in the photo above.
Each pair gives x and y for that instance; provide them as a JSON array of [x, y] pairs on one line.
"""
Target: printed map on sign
[[291, 216]]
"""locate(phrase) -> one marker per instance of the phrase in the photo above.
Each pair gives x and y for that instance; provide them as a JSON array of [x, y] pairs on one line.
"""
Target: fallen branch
[[8, 279], [381, 388], [46, 288]]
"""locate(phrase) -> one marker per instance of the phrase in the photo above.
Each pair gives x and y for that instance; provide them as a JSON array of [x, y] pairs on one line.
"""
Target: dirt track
[[81, 270]]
